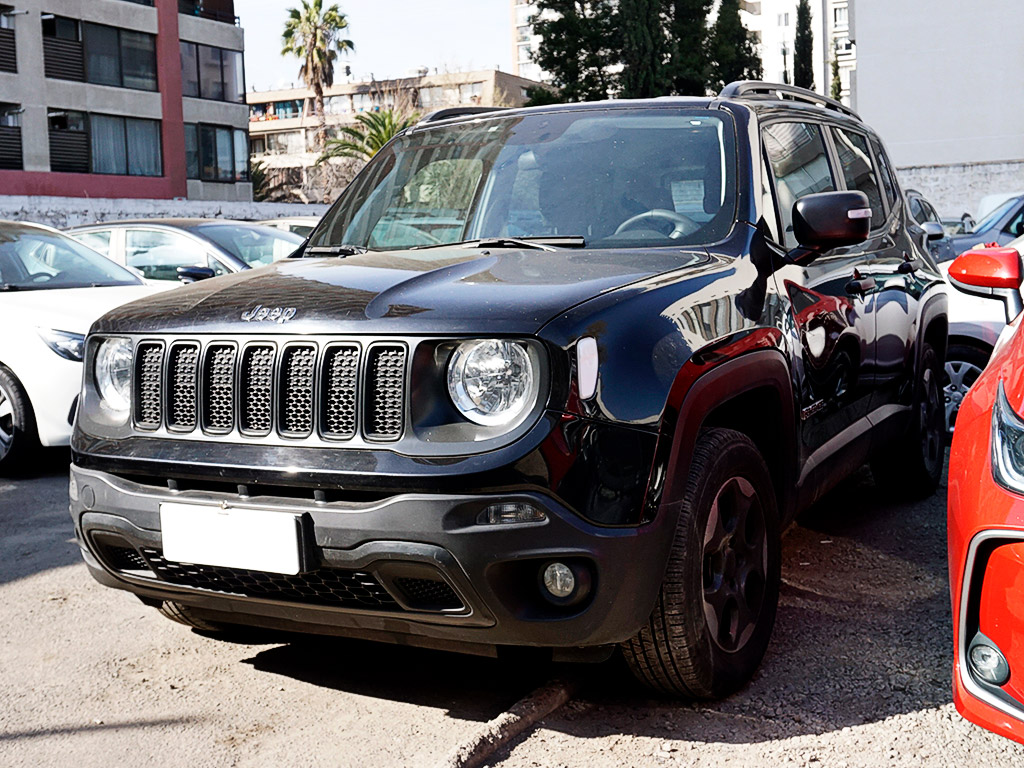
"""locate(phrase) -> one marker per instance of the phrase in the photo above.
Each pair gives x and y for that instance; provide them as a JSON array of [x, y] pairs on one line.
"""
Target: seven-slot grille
[[296, 389]]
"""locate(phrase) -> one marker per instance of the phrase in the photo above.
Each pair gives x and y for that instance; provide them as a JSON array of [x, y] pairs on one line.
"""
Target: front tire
[[714, 616], [19, 440]]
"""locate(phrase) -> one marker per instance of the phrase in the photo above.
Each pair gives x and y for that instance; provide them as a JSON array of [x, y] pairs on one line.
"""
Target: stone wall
[[61, 212], [957, 189]]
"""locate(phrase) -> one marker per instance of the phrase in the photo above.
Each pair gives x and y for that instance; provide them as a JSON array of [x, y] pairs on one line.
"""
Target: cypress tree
[[731, 52], [803, 47], [837, 83], [643, 49], [687, 69], [580, 42]]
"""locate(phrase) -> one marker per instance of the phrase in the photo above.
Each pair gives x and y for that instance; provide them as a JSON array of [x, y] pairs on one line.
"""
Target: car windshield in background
[[615, 177], [35, 259], [988, 222], [255, 245]]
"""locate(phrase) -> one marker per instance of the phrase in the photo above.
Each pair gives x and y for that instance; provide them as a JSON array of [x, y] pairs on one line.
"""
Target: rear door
[[831, 334]]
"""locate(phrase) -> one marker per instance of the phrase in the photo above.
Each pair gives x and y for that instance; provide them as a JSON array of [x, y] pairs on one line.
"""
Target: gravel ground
[[857, 673]]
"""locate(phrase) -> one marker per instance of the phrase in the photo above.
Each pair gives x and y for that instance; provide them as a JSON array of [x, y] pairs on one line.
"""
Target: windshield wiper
[[539, 243], [334, 250]]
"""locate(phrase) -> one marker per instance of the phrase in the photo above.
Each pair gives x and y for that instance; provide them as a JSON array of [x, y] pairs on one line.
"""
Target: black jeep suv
[[553, 377]]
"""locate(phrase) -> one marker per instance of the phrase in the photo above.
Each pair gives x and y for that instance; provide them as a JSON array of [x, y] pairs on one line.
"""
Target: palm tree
[[312, 34], [372, 131]]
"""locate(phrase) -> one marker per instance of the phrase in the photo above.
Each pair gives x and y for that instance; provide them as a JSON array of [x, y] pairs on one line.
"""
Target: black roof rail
[[450, 112], [755, 89]]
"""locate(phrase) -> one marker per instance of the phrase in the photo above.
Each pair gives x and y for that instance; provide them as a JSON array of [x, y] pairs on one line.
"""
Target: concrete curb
[[496, 733]]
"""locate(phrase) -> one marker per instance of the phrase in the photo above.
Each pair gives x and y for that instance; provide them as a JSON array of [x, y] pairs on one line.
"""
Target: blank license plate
[[249, 539]]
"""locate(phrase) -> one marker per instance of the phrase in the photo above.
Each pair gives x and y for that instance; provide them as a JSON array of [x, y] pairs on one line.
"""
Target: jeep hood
[[433, 291]]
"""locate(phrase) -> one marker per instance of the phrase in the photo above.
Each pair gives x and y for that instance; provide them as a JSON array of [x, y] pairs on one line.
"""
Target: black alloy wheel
[[714, 615]]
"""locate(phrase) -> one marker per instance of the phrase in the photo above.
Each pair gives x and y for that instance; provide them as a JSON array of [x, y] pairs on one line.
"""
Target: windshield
[[615, 177], [253, 244], [35, 259], [989, 221]]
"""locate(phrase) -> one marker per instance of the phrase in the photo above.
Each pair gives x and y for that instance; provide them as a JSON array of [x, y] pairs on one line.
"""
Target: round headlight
[[113, 373], [491, 382]]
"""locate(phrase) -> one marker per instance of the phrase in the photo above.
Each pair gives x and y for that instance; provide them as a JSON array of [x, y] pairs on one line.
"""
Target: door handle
[[860, 286]]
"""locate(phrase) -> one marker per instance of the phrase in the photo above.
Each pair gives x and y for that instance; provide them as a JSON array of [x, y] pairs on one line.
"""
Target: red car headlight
[[1007, 444]]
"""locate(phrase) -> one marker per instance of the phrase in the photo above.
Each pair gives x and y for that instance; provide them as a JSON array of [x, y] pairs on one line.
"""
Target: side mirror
[[933, 230], [829, 220], [191, 274], [992, 272]]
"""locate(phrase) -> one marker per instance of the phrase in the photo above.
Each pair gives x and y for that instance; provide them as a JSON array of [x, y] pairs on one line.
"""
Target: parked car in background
[[299, 225], [576, 369], [974, 323], [187, 249], [986, 514], [52, 288], [1001, 225]]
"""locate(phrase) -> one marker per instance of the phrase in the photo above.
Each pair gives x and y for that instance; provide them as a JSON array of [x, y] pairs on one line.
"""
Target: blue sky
[[391, 37]]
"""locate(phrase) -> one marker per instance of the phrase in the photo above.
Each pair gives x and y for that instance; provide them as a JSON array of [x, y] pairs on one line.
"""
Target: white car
[[299, 225], [52, 288]]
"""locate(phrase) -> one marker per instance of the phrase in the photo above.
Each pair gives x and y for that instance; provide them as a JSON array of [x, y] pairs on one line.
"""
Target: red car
[[986, 513]]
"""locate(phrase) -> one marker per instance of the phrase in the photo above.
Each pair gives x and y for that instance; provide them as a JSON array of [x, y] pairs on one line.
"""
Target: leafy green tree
[[365, 139], [687, 68], [313, 34], [643, 49], [731, 50], [538, 96], [580, 44], [803, 47]]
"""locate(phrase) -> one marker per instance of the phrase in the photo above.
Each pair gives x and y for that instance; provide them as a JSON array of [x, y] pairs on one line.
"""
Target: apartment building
[[283, 122], [524, 41], [123, 99]]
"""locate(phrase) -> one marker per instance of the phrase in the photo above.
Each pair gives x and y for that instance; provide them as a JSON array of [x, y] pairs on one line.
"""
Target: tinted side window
[[98, 240], [888, 178], [917, 210], [1015, 226], [859, 171], [158, 254], [799, 164]]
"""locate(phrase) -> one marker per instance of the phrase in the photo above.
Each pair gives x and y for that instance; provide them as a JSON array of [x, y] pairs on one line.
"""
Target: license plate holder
[[232, 537]]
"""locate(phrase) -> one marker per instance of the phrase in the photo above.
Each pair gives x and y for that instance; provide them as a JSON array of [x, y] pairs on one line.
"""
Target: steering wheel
[[683, 225], [41, 277]]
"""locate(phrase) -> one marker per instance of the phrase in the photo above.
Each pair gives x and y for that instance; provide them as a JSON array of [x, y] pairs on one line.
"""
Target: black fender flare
[[697, 394]]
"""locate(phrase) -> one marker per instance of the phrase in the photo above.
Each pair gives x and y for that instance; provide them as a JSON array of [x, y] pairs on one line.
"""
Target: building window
[[10, 137], [104, 144], [212, 73], [216, 153], [142, 2], [783, 19], [841, 16], [98, 54], [8, 48]]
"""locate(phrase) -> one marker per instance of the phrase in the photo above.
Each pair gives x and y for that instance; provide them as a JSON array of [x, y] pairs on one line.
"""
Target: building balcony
[[215, 10]]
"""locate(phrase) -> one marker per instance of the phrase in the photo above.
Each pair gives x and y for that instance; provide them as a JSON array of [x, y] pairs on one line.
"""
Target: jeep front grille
[[294, 390]]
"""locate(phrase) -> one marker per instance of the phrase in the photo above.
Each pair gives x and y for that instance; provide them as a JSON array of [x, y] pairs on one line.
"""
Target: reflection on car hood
[[441, 290], [65, 309]]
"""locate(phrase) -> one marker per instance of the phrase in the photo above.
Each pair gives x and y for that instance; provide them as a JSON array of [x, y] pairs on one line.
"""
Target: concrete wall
[[957, 189], [940, 79], [64, 212]]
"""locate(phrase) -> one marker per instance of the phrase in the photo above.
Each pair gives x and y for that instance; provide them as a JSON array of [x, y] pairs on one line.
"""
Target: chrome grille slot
[[257, 390], [183, 387], [274, 389], [385, 407], [339, 392], [148, 385], [219, 388], [298, 378]]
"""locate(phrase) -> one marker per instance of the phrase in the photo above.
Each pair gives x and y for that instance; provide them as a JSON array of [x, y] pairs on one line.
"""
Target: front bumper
[[411, 568]]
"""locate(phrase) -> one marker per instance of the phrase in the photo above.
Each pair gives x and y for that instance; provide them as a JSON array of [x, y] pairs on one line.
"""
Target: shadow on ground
[[862, 634], [36, 532]]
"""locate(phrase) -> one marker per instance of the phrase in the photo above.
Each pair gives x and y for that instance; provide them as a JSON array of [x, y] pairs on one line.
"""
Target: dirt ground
[[857, 673]]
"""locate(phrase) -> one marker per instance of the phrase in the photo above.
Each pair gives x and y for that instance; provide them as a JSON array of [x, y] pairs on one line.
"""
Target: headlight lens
[[113, 373], [70, 346], [492, 382]]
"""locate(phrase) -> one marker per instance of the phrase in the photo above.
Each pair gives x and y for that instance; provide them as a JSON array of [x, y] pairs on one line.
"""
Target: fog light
[[512, 512], [987, 662], [559, 580]]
